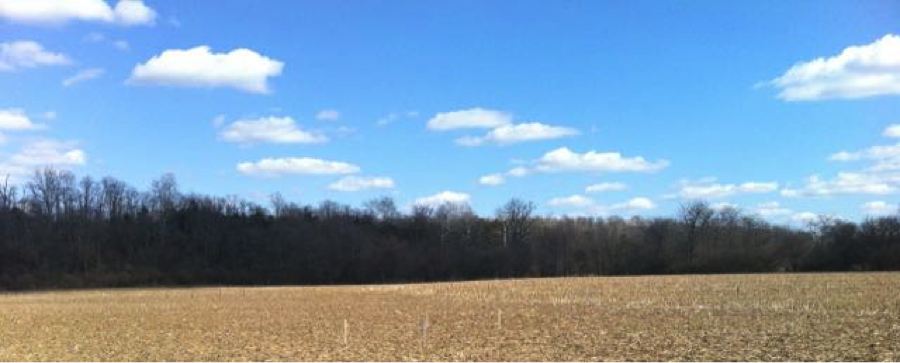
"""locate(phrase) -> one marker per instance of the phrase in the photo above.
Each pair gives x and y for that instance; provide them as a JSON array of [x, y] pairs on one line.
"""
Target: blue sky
[[657, 102]]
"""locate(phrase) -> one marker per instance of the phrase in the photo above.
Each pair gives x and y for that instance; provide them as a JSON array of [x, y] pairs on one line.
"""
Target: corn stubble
[[737, 317]]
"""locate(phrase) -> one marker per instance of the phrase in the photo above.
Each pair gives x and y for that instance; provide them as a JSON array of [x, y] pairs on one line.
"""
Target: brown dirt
[[847, 317]]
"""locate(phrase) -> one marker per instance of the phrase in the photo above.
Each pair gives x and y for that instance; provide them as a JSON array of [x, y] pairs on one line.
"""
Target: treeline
[[57, 231]]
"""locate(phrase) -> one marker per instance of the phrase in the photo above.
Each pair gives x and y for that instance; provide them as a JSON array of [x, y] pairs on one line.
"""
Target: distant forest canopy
[[60, 232]]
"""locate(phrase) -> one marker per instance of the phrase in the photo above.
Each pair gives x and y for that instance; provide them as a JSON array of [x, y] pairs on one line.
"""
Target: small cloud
[[892, 131], [512, 134], [356, 184], [241, 69], [880, 208], [121, 45], [83, 75], [15, 119], [395, 116], [772, 209], [565, 160], [708, 188], [444, 198], [605, 187], [328, 115], [277, 130], [471, 118], [276, 167], [28, 54], [492, 179]]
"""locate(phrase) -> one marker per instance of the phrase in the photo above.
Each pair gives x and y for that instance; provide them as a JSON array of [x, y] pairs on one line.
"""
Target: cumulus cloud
[[880, 208], [275, 167], [723, 205], [857, 72], [125, 12], [518, 171], [242, 69], [277, 130], [28, 54], [709, 189], [355, 184], [471, 118], [639, 203], [42, 153], [572, 201], [443, 198], [589, 206], [563, 159], [134, 12], [328, 115], [771, 209], [844, 183], [491, 179], [15, 119], [892, 131], [804, 217], [83, 75], [605, 187], [511, 134]]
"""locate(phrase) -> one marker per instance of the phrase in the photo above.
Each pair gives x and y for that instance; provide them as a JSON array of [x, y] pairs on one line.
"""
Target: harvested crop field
[[732, 317]]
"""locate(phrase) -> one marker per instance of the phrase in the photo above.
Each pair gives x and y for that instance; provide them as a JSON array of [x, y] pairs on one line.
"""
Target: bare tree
[[696, 217], [516, 221]]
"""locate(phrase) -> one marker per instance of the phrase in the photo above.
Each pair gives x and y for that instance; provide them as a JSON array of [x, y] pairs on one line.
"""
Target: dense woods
[[57, 231]]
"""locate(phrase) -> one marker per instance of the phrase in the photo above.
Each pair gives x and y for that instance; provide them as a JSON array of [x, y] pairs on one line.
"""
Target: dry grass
[[738, 317]]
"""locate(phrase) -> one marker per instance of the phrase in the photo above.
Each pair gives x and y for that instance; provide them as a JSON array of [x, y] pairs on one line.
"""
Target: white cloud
[[492, 179], [278, 130], [872, 153], [518, 172], [723, 205], [471, 118], [639, 203], [274, 167], [328, 115], [605, 187], [572, 201], [121, 44], [16, 120], [134, 12], [563, 159], [772, 209], [444, 198], [708, 188], [845, 183], [394, 116], [28, 54], [355, 184], [241, 69], [804, 217], [511, 134], [41, 153], [126, 12], [83, 75], [857, 72], [892, 131], [879, 208], [591, 207]]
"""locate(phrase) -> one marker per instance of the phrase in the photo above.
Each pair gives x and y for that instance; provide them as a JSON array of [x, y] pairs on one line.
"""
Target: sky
[[785, 109]]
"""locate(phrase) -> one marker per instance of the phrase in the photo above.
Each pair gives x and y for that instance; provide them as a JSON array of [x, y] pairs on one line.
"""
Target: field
[[734, 317]]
